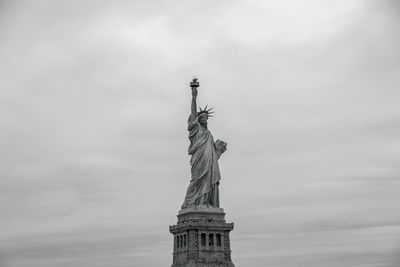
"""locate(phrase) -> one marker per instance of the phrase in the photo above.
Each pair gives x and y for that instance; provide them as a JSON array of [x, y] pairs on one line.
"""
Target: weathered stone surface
[[201, 238]]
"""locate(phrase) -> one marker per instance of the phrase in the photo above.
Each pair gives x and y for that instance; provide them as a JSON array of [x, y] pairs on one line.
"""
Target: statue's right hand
[[194, 91]]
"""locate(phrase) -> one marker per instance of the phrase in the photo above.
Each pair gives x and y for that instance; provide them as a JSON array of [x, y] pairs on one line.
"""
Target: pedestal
[[201, 238]]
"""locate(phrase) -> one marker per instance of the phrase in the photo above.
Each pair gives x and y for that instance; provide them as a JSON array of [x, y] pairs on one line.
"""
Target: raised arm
[[194, 104], [194, 84]]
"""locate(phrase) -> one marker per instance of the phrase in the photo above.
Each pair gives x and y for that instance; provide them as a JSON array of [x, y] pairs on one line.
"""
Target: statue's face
[[203, 120]]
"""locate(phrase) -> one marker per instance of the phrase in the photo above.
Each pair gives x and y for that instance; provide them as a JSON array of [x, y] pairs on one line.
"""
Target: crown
[[205, 111]]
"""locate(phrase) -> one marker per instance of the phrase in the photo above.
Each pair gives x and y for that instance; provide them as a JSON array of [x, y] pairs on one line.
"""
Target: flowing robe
[[203, 187]]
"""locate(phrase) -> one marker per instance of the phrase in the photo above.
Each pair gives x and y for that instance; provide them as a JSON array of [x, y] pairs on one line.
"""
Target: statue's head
[[203, 116]]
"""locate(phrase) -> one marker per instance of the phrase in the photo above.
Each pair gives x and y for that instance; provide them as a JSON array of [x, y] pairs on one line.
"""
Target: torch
[[194, 83]]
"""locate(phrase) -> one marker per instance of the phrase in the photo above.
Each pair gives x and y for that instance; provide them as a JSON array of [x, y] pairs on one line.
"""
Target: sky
[[94, 99]]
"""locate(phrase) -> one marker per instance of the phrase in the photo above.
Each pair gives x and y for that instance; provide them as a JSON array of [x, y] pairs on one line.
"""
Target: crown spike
[[206, 111]]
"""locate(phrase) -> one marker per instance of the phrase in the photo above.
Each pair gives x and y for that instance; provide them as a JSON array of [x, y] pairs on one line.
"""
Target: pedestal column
[[207, 235]]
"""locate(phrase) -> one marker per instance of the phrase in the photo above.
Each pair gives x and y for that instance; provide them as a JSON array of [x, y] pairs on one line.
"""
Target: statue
[[203, 187]]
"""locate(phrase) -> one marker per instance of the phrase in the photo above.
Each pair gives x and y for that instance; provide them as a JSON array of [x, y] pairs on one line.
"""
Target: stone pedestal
[[201, 238]]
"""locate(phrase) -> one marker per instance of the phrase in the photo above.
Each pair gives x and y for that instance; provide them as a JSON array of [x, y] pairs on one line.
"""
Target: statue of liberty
[[203, 187]]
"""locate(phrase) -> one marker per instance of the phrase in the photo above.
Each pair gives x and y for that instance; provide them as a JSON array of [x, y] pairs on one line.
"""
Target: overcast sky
[[94, 98]]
